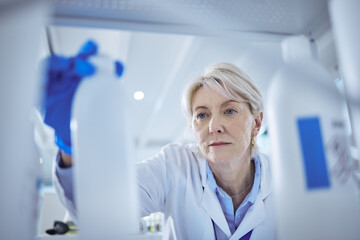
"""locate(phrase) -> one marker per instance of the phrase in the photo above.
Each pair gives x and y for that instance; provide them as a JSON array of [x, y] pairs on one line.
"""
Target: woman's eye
[[230, 111], [201, 115]]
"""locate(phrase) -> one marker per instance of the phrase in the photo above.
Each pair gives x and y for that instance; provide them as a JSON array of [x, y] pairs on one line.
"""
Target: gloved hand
[[62, 78]]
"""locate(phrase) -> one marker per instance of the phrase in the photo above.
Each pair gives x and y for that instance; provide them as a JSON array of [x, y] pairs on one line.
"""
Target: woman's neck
[[235, 178]]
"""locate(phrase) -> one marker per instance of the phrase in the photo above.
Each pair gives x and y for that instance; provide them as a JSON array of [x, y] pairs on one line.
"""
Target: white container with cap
[[105, 183], [315, 193]]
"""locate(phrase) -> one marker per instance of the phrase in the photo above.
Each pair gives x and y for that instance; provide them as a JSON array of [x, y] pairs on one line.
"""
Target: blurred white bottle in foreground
[[21, 23], [105, 184], [315, 192]]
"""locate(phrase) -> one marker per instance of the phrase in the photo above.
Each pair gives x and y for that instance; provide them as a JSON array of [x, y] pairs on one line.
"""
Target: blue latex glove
[[62, 78]]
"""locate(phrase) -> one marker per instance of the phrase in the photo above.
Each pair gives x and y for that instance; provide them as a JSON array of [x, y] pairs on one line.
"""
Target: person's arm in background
[[63, 185], [66, 160]]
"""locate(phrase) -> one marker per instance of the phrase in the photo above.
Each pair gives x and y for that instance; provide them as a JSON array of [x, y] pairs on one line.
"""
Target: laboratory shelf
[[146, 236]]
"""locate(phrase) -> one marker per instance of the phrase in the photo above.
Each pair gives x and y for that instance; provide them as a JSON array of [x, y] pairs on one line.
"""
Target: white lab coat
[[174, 182]]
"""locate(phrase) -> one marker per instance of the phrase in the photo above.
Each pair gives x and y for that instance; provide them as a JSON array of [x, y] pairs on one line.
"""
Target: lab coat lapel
[[253, 217], [213, 208], [210, 202]]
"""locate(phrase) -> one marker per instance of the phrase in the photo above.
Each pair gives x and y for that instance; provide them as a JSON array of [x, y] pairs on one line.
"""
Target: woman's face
[[223, 127]]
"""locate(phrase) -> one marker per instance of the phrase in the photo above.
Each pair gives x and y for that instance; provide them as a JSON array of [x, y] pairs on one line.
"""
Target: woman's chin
[[218, 158]]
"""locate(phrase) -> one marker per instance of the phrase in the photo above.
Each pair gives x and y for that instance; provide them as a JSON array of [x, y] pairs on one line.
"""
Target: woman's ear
[[258, 121]]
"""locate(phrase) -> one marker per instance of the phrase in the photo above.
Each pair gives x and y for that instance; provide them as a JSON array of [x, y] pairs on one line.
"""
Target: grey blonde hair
[[230, 81]]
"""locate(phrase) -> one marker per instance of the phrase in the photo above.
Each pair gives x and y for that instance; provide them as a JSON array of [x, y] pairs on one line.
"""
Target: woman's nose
[[215, 126]]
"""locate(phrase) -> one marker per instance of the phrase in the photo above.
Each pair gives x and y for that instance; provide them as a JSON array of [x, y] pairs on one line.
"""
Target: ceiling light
[[138, 95]]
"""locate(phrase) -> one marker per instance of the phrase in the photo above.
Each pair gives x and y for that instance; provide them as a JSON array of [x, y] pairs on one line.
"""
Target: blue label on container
[[313, 154]]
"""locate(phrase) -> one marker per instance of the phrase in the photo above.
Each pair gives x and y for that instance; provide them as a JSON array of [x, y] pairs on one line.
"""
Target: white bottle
[[103, 157], [315, 193]]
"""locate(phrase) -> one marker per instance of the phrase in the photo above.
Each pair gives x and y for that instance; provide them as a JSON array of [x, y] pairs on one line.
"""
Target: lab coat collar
[[255, 214], [213, 208], [253, 217], [266, 181], [210, 202]]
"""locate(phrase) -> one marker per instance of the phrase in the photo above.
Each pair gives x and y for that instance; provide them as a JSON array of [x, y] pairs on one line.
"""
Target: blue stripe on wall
[[313, 154]]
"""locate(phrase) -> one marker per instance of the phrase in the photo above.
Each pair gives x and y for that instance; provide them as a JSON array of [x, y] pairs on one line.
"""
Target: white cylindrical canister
[[104, 162], [315, 193]]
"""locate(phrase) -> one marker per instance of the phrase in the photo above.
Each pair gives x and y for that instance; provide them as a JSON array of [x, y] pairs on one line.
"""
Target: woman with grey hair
[[219, 188]]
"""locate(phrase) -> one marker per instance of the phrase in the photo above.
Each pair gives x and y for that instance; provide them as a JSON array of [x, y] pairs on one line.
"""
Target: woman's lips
[[218, 144]]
